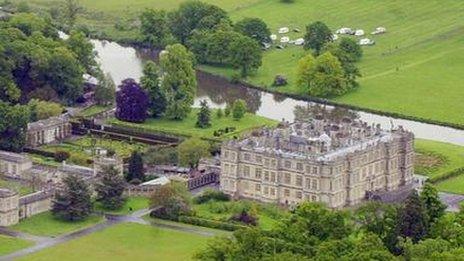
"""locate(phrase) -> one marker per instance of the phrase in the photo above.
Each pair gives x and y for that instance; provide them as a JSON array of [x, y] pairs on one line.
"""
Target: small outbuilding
[[284, 30], [334, 37], [345, 30], [285, 39], [273, 37]]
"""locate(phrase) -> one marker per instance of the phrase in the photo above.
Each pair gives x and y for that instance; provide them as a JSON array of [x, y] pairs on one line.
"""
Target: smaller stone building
[[48, 130], [35, 203], [14, 164], [9, 204]]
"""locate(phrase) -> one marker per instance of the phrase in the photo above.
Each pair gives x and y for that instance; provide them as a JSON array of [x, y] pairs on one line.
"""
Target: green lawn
[[127, 242], [268, 215], [136, 203], [448, 156], [46, 225], [187, 126], [92, 110], [10, 244], [16, 186]]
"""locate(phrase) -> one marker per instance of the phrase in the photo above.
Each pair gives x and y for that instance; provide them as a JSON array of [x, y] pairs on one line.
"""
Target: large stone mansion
[[337, 163]]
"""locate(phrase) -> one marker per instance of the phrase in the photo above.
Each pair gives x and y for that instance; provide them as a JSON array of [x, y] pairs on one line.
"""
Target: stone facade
[[14, 164], [35, 203], [9, 205], [337, 163], [48, 130]]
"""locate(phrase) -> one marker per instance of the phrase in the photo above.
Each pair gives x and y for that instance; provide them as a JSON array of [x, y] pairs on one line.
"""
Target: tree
[[219, 113], [136, 169], [171, 201], [64, 74], [131, 102], [150, 82], [110, 187], [246, 55], [155, 28], [179, 81], [43, 110], [191, 151], [412, 219], [239, 109], [74, 202], [204, 115], [84, 50], [317, 35], [322, 76], [13, 126], [71, 10], [193, 15], [254, 28], [434, 208], [105, 90], [351, 48]]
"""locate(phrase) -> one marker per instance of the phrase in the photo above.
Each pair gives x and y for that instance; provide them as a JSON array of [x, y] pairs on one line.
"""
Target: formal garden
[[81, 151]]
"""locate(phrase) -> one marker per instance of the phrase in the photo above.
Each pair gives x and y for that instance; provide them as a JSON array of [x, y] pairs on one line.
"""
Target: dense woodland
[[418, 229]]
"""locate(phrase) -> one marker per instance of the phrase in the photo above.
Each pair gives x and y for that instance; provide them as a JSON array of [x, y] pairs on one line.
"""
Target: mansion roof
[[319, 138]]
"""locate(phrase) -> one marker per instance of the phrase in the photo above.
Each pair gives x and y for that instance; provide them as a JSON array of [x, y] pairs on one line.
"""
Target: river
[[126, 62]]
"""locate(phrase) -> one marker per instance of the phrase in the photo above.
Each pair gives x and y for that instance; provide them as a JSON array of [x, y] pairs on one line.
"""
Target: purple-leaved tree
[[131, 102]]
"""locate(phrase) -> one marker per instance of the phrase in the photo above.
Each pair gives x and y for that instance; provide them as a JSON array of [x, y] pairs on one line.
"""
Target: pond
[[127, 62]]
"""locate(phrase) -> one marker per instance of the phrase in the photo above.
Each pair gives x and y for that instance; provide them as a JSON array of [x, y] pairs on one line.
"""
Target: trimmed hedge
[[448, 175], [210, 223]]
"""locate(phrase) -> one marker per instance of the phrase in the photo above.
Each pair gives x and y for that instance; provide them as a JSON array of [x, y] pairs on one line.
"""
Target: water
[[126, 62]]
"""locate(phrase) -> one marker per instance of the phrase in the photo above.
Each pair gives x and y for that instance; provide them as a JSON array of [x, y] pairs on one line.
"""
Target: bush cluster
[[220, 132], [209, 195]]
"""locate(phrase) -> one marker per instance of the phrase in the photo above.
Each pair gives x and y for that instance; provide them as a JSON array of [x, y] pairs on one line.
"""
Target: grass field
[[187, 126], [414, 69], [127, 242], [134, 203], [448, 156], [92, 110], [10, 244], [46, 225]]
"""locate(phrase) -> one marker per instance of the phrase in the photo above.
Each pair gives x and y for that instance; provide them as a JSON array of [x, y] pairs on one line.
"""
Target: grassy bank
[[127, 242], [132, 204], [46, 225], [10, 244], [187, 127], [412, 70]]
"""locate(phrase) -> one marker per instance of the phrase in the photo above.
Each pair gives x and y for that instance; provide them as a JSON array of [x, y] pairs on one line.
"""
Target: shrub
[[217, 207], [245, 218], [219, 113], [110, 152], [210, 223], [239, 109], [280, 80], [61, 156], [211, 195]]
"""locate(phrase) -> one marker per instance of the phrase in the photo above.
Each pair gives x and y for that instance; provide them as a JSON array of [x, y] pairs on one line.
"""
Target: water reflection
[[126, 62]]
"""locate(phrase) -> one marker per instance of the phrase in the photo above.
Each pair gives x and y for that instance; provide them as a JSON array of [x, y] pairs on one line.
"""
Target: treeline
[[36, 64], [418, 229], [209, 33]]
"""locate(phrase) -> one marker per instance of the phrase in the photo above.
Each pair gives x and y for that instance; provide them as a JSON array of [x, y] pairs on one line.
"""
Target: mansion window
[[273, 163], [266, 162], [299, 195], [308, 183], [313, 198], [266, 175], [266, 190], [273, 177], [246, 171], [272, 190], [226, 154], [314, 184], [299, 166], [286, 192], [288, 164], [259, 159], [247, 156], [299, 181], [258, 187], [287, 178], [258, 173], [315, 170]]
